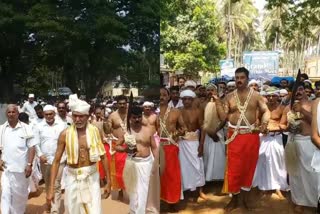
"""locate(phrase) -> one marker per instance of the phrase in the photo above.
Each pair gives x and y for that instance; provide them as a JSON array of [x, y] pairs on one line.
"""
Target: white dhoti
[[303, 179], [36, 176], [192, 170], [214, 157], [82, 190], [136, 177], [15, 192], [271, 171]]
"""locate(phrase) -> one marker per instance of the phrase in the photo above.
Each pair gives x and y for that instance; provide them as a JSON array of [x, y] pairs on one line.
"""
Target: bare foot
[[203, 196], [279, 194], [233, 204], [247, 205], [298, 209], [245, 201], [173, 208]]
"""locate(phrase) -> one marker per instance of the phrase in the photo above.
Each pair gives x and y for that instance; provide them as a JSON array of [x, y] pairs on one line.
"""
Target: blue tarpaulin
[[276, 80]]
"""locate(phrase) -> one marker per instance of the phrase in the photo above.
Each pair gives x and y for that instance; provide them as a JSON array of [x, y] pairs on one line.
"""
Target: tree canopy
[[78, 43]]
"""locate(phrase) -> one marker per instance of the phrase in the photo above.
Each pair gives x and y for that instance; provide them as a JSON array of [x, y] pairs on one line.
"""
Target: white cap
[[190, 83], [253, 81], [231, 83], [283, 91], [78, 105], [148, 104], [308, 81], [48, 108], [187, 93], [31, 96]]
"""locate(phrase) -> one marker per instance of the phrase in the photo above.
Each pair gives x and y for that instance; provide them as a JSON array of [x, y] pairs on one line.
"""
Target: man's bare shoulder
[[63, 134], [228, 97]]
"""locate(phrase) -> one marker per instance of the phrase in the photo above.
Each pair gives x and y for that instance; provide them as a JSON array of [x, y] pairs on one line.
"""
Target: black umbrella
[[295, 88], [129, 112]]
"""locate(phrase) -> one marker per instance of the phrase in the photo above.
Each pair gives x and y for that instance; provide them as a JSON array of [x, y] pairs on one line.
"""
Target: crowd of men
[[245, 132], [78, 148]]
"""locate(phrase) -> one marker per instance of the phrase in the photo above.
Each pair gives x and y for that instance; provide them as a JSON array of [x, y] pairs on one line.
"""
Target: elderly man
[[83, 144], [17, 147], [190, 149], [28, 107], [48, 132]]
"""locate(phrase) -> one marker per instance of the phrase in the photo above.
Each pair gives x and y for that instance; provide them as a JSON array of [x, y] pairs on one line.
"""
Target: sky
[[260, 4]]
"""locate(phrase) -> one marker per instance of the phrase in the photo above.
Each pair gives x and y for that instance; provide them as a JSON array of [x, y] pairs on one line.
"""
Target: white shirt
[[68, 120], [179, 104], [48, 139], [37, 120], [15, 144], [29, 109]]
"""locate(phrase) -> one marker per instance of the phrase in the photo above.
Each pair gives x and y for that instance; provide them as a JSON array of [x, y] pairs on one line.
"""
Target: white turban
[[190, 83], [283, 91], [253, 82], [187, 93], [31, 96], [148, 104], [231, 83], [78, 105], [49, 108], [212, 86]]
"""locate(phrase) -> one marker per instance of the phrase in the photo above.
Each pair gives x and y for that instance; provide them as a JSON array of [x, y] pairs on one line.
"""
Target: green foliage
[[81, 41], [189, 36]]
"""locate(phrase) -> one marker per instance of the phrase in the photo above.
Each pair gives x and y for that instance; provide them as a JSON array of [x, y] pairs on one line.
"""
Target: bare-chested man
[[171, 127], [82, 186], [190, 149], [117, 125], [243, 141], [149, 118], [303, 179], [271, 171], [139, 143]]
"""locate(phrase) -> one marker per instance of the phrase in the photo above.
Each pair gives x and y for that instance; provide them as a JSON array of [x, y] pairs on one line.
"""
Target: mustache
[[239, 82]]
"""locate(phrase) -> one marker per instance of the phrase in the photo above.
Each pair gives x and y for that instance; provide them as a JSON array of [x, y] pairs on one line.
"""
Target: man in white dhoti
[[271, 173], [17, 148], [83, 144], [190, 149], [214, 148], [141, 148], [48, 132], [299, 152]]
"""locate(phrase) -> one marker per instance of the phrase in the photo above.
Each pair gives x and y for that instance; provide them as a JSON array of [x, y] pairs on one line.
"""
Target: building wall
[[312, 67], [109, 91]]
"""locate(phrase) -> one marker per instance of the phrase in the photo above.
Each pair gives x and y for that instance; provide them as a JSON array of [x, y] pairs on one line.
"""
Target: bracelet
[[29, 164]]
